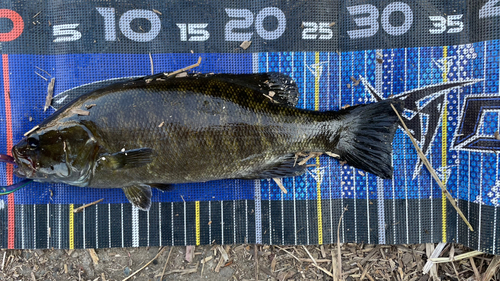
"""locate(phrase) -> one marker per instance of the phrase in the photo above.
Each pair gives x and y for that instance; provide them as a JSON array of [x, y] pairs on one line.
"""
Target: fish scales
[[220, 116], [214, 127]]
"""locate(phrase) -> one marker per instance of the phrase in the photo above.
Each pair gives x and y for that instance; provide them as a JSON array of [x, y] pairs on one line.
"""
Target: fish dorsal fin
[[139, 195], [127, 158], [287, 166], [67, 96], [278, 87]]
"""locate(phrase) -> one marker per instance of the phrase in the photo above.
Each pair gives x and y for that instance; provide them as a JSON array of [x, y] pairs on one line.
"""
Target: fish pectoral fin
[[287, 166], [162, 186], [139, 196], [129, 158]]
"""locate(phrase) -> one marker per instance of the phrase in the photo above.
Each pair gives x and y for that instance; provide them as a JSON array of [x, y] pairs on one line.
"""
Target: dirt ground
[[237, 262]]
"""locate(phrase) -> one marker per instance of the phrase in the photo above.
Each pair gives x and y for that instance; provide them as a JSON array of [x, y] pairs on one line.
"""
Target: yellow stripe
[[318, 182], [444, 143], [71, 228], [197, 211]]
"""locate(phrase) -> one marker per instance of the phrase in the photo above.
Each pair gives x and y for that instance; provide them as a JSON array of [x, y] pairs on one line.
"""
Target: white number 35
[[441, 23]]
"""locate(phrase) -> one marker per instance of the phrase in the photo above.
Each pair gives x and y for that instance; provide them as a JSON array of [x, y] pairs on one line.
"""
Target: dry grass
[[241, 262]]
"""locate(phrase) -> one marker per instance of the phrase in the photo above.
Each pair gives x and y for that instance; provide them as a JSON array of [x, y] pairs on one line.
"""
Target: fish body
[[157, 131]]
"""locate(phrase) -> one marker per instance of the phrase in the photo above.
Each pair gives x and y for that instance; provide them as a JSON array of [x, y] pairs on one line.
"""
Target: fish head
[[63, 153]]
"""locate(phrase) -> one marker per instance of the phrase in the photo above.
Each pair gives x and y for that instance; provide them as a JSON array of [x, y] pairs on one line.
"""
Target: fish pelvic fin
[[365, 140], [139, 196]]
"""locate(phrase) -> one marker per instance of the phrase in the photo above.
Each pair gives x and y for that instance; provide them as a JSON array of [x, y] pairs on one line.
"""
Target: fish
[[158, 130]]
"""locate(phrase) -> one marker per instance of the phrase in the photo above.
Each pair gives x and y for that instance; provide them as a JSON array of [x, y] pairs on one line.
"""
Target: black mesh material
[[439, 57]]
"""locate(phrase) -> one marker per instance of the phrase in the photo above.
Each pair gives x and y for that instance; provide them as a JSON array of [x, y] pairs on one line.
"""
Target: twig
[[437, 251], [148, 263], [334, 267], [432, 171], [288, 253], [50, 93], [456, 272], [41, 76], [165, 267], [43, 71], [79, 209], [492, 268], [331, 154], [203, 262], [314, 261], [185, 68], [223, 252], [457, 258], [94, 256], [219, 265], [369, 277], [182, 271], [365, 270], [370, 255], [317, 260], [31, 131], [324, 270], [256, 257], [476, 272], [151, 61], [280, 185], [339, 253], [311, 155], [3, 260]]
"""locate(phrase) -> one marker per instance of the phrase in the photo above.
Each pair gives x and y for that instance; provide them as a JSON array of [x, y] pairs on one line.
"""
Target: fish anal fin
[[139, 196], [286, 166], [162, 186], [128, 158]]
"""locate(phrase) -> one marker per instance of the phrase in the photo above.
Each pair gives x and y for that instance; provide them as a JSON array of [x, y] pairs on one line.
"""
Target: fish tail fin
[[365, 140]]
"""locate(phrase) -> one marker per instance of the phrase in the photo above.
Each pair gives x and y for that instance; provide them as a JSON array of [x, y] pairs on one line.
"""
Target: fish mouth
[[25, 166]]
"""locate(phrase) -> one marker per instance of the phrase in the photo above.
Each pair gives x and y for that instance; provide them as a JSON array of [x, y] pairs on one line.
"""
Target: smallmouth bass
[[156, 131]]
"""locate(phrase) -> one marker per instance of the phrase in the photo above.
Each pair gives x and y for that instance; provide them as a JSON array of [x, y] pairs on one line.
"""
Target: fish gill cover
[[439, 58]]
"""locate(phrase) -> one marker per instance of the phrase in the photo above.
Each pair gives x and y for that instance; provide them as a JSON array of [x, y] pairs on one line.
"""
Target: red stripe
[[10, 170]]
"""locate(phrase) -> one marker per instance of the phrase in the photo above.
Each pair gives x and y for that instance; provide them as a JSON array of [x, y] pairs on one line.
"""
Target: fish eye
[[32, 142]]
